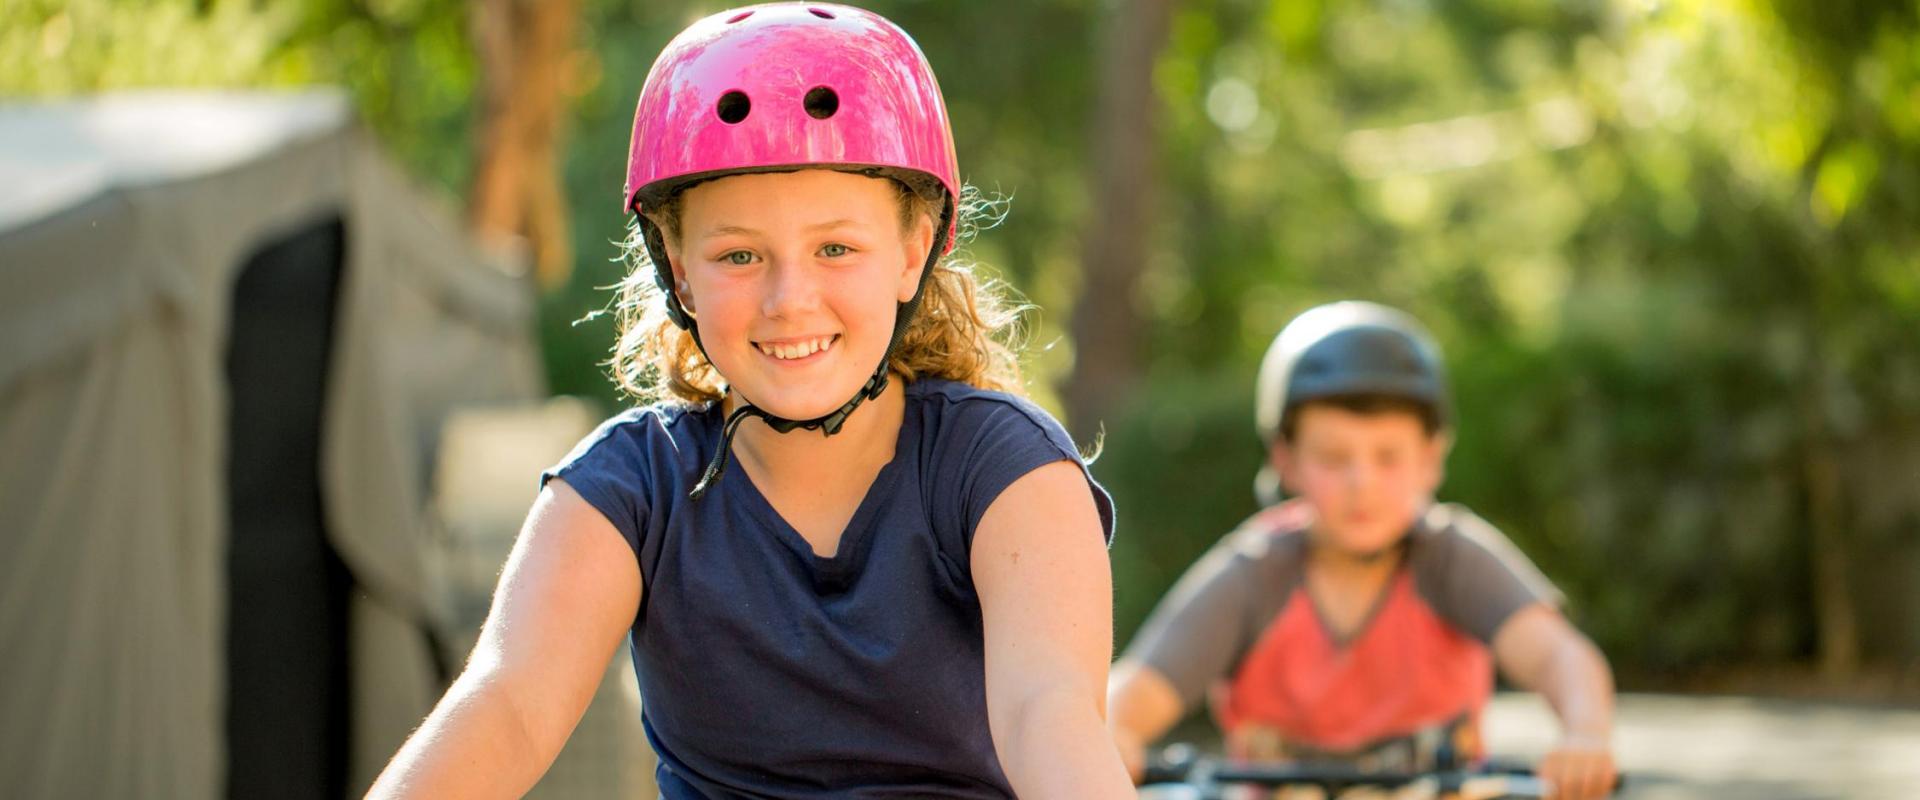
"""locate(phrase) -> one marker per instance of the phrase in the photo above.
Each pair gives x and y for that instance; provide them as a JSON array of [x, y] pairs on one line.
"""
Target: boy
[[1360, 621]]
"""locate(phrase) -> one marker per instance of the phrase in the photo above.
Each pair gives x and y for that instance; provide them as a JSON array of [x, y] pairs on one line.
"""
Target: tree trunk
[[1836, 621], [1123, 188], [1835, 618], [526, 52]]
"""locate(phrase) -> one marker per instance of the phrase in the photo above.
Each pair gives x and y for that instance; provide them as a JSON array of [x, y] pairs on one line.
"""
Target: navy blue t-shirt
[[768, 671]]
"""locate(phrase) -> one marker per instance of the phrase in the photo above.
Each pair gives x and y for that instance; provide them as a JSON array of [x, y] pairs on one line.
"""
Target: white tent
[[179, 273]]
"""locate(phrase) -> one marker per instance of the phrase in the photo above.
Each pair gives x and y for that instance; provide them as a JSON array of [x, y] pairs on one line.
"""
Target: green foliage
[[52, 47], [407, 63]]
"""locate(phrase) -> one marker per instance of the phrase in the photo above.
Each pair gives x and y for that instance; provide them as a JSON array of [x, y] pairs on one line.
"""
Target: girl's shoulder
[[641, 441], [634, 458], [955, 405], [975, 442], [967, 422]]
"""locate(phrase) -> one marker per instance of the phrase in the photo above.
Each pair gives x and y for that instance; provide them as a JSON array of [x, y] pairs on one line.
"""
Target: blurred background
[[1670, 249]]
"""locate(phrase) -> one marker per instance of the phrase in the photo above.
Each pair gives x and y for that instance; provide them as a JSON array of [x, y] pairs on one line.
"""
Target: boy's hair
[[1365, 404], [966, 329]]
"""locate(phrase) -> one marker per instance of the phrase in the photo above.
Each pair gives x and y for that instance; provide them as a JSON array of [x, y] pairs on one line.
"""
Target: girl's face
[[795, 280], [1367, 476]]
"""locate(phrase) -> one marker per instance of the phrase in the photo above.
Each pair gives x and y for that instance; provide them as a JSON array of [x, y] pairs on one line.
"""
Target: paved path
[[1676, 746]]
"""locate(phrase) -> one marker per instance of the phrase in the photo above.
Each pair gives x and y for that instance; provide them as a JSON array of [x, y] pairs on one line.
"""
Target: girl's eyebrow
[[728, 230], [736, 230]]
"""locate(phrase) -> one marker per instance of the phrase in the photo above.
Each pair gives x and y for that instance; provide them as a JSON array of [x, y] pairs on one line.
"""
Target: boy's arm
[[1539, 650], [1142, 706], [1195, 637]]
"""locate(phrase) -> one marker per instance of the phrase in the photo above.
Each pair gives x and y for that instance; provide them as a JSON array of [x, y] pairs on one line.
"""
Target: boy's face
[[1367, 476]]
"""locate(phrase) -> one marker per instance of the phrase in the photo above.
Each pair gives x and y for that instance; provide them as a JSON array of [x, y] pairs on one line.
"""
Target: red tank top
[[1404, 671]]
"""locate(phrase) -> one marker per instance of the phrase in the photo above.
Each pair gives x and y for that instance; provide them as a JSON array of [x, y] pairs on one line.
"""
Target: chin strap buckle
[[828, 425]]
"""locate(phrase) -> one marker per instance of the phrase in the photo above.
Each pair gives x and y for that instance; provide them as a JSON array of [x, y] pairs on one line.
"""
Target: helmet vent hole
[[733, 107], [740, 16], [821, 102], [820, 13]]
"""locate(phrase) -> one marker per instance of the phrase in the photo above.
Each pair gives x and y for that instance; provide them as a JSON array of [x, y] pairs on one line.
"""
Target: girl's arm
[[1046, 599], [1539, 650], [568, 594]]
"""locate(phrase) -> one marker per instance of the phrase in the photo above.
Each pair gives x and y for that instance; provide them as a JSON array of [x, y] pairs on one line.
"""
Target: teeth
[[800, 349]]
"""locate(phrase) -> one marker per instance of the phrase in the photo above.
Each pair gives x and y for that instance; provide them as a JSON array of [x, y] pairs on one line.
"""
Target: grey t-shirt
[[1462, 568]]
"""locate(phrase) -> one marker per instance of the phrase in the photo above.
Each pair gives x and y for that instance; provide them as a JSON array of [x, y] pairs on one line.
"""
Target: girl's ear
[[685, 294], [669, 250], [919, 245], [681, 289]]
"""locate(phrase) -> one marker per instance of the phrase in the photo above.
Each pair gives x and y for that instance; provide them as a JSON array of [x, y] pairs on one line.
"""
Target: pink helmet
[[785, 85]]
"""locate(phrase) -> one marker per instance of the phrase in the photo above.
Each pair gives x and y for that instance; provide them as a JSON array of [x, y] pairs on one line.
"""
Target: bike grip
[[1157, 772]]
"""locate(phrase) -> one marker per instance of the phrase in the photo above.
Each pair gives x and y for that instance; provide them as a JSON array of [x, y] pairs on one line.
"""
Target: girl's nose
[[793, 287]]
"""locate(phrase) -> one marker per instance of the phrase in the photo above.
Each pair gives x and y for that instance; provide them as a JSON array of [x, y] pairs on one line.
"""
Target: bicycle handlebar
[[1178, 765]]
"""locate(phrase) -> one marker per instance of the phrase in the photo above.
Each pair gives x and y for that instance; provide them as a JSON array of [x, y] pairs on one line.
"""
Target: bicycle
[[1180, 773]]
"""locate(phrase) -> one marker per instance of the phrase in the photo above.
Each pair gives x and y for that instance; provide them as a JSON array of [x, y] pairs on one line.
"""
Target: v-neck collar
[[850, 552], [1343, 640]]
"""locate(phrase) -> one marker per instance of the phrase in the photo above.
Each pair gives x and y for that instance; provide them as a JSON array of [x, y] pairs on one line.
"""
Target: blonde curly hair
[[967, 328]]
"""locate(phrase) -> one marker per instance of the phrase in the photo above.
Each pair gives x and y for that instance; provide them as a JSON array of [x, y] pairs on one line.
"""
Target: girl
[[900, 587]]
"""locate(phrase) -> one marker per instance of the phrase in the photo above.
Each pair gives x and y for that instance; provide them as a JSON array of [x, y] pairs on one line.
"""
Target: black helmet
[[1346, 348]]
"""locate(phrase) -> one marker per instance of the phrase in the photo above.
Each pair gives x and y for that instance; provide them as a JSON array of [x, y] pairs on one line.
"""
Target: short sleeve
[[1472, 576], [1208, 621], [608, 469], [1002, 439]]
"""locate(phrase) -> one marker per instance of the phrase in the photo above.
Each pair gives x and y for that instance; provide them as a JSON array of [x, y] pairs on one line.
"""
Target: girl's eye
[[835, 250], [738, 258]]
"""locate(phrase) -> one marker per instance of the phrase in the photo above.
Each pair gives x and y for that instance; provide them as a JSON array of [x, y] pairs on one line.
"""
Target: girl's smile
[[796, 351]]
